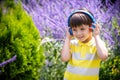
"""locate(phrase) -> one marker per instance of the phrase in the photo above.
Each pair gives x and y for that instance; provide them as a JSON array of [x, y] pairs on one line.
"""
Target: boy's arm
[[101, 48], [65, 53]]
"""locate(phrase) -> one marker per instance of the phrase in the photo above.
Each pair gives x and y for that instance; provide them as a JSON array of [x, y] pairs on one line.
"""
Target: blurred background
[[32, 33]]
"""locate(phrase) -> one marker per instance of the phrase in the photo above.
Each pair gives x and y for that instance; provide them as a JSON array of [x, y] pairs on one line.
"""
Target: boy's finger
[[98, 26], [92, 28]]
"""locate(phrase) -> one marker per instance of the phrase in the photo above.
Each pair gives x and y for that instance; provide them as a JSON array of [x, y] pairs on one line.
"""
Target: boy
[[86, 49]]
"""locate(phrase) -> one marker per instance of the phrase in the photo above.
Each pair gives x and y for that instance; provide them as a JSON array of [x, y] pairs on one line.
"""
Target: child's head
[[79, 19], [80, 24]]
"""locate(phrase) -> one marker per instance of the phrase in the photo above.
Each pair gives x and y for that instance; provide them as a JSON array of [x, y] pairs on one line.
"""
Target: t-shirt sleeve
[[73, 43], [71, 48]]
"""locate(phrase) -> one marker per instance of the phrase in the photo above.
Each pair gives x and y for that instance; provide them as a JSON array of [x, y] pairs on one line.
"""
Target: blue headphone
[[84, 12]]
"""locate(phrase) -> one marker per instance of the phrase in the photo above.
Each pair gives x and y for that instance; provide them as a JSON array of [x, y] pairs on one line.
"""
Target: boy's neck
[[88, 39]]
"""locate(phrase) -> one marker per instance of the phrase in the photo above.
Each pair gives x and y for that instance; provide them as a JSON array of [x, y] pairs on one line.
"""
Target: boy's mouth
[[80, 37]]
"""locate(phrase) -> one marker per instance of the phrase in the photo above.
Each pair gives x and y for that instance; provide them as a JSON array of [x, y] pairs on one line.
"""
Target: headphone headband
[[84, 12]]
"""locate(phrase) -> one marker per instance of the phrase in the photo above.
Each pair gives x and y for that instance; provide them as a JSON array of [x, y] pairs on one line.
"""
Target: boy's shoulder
[[74, 42]]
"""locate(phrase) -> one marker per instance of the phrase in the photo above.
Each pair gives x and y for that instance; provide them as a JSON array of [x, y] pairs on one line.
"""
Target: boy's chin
[[81, 40]]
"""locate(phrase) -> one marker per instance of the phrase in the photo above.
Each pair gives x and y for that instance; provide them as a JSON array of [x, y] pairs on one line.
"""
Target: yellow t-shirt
[[84, 64]]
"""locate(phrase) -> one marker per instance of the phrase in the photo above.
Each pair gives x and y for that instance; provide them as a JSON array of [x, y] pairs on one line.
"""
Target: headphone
[[84, 12]]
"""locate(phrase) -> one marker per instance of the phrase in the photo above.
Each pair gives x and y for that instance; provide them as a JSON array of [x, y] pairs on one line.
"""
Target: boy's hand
[[68, 34], [96, 30]]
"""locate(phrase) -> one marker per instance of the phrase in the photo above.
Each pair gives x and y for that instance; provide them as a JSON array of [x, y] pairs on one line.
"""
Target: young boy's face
[[82, 33]]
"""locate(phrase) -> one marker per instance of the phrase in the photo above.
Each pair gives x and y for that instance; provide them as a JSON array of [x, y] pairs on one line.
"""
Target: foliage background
[[50, 18], [20, 37]]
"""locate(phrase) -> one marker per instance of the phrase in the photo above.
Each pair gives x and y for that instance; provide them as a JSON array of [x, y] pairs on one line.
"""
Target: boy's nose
[[79, 33]]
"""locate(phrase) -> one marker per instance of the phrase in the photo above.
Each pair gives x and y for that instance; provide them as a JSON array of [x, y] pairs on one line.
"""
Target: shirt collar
[[89, 43]]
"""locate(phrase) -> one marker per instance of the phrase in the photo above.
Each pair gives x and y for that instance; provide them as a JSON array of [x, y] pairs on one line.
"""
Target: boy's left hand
[[96, 30]]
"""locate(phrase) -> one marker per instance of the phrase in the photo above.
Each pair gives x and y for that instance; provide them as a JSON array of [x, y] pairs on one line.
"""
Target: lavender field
[[32, 34]]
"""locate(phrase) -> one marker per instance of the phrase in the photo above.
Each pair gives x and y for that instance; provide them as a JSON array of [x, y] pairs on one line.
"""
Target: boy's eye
[[82, 29], [74, 30]]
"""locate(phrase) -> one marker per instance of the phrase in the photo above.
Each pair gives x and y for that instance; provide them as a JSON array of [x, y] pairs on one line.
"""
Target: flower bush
[[50, 17], [110, 69], [20, 44], [53, 68], [20, 40]]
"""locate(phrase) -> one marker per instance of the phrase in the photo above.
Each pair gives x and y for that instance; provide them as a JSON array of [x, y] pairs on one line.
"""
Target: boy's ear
[[90, 27]]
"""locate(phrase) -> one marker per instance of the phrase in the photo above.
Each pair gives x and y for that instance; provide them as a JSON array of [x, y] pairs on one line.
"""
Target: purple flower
[[50, 16], [118, 38], [116, 32], [8, 61]]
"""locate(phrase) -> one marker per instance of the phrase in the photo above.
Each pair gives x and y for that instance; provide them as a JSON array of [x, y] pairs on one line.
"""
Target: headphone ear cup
[[93, 26], [70, 31]]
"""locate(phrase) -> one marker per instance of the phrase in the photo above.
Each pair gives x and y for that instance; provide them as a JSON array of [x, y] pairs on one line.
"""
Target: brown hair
[[78, 19]]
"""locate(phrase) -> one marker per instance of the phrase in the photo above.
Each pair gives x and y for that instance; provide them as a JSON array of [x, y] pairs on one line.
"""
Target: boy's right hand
[[68, 34]]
